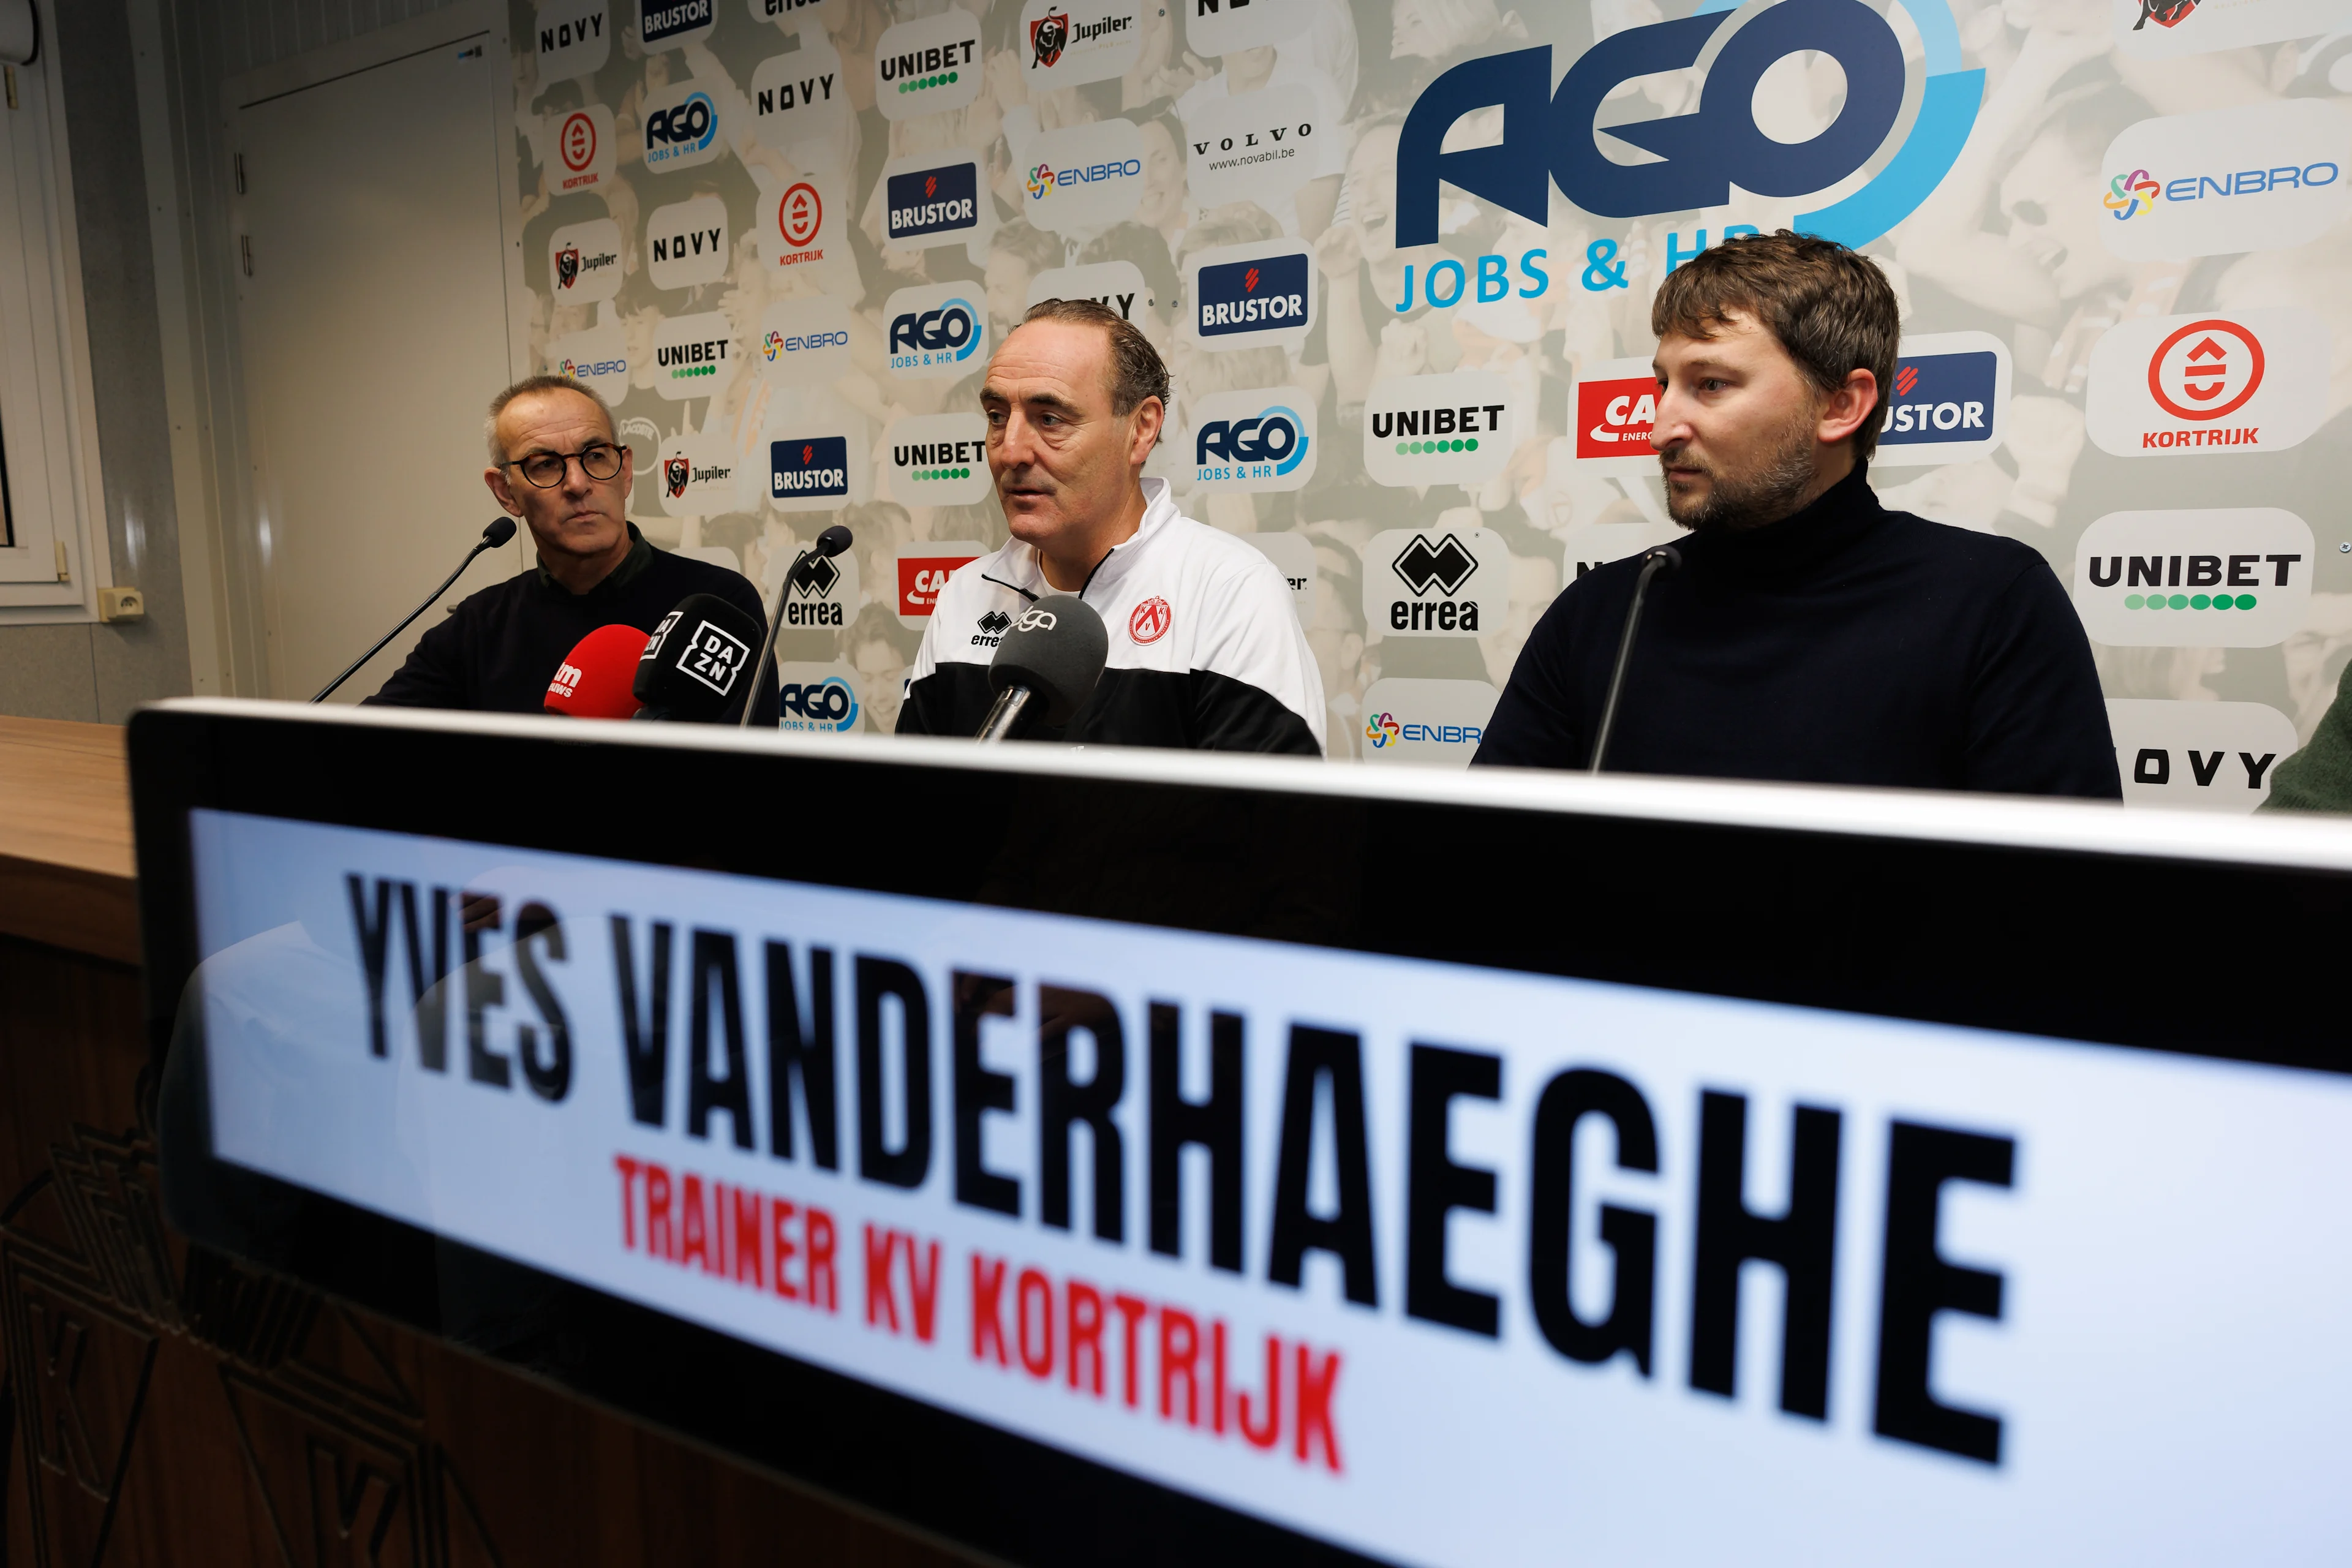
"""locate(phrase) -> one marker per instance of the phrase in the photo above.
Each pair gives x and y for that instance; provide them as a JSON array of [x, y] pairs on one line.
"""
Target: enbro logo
[[927, 66], [597, 358], [2206, 756], [2238, 577], [574, 38], [681, 127], [939, 459], [694, 356], [1070, 41], [583, 147], [2261, 177], [1114, 285], [921, 572], [799, 97], [1452, 429], [583, 261], [1251, 296], [804, 341], [2254, 381], [814, 468], [936, 330], [1949, 402], [1084, 177], [1434, 723], [933, 204], [1616, 405], [685, 244], [666, 24], [1254, 440], [816, 699], [1446, 581], [1698, 157]]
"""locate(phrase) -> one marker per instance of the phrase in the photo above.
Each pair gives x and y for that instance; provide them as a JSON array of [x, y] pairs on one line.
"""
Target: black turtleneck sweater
[[496, 652], [1846, 644]]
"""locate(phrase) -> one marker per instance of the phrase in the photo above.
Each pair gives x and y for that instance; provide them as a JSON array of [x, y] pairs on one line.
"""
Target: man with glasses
[[555, 463]]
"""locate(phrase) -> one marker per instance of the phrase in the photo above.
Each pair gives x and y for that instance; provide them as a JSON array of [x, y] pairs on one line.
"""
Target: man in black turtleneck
[[1809, 634]]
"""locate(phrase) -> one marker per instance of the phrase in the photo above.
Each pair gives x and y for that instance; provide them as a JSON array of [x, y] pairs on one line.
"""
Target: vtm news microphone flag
[[1050, 658], [595, 679], [696, 660], [500, 530]]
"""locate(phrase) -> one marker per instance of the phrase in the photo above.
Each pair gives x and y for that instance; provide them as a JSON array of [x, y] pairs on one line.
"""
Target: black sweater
[[498, 649], [1847, 644]]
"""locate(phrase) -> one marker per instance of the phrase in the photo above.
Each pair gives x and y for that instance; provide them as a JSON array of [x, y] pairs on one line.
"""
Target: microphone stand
[[775, 624], [1664, 558], [1003, 715], [488, 542]]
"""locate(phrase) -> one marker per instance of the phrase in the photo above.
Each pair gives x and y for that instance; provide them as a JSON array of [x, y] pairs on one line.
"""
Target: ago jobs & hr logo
[[681, 129], [934, 330]]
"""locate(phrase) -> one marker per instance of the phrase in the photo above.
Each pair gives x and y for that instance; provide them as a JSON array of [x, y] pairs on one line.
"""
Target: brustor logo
[[1252, 296], [1941, 397], [1445, 565], [816, 466], [933, 201], [675, 471], [1048, 35], [1697, 157]]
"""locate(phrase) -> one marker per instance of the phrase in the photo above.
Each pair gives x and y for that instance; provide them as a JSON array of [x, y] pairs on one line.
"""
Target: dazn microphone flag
[[696, 660], [594, 679]]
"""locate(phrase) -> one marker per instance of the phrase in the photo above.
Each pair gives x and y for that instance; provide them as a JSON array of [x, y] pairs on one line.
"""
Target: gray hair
[[532, 384]]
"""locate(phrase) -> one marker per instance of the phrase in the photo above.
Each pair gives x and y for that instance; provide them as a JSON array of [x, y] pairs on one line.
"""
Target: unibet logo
[[1455, 428], [686, 362], [939, 459], [1613, 417], [2237, 577], [817, 465], [928, 66], [948, 459], [1698, 157]]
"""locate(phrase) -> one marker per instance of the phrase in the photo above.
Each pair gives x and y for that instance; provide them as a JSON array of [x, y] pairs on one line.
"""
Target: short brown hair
[[530, 383], [1830, 307], [1136, 371]]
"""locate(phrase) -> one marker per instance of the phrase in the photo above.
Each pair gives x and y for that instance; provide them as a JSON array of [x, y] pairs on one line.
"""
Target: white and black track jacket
[[1206, 652]]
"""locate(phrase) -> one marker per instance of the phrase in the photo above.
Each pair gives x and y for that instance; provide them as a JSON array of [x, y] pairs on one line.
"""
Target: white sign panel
[[1450, 429], [1084, 177], [2252, 380], [583, 151], [1473, 1288], [1114, 285], [2229, 577], [597, 358], [695, 356], [1293, 555], [799, 97], [1251, 440], [938, 459], [2166, 29], [1435, 582], [573, 38], [2259, 177], [1429, 723], [2204, 756], [804, 341], [927, 66], [698, 476], [1261, 146], [1214, 27], [583, 261], [686, 243]]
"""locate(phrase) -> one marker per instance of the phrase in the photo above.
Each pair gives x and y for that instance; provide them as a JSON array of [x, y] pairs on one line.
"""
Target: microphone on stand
[[1664, 558], [829, 544], [500, 530], [594, 679], [1051, 658], [695, 660]]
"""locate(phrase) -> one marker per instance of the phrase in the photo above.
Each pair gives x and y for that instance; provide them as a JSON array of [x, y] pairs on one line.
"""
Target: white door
[[374, 315]]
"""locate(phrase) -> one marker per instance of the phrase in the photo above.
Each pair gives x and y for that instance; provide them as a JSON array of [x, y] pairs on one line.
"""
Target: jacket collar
[[614, 583], [1840, 516], [1017, 565]]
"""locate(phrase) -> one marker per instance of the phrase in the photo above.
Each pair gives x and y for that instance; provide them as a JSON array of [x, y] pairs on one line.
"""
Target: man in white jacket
[[1206, 652]]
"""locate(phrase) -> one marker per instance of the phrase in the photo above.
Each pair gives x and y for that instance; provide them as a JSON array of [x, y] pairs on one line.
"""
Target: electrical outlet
[[121, 605]]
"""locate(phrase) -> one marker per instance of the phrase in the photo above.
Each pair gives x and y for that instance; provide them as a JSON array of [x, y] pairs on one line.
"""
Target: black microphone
[[695, 660], [501, 528], [1664, 558], [1052, 656], [829, 544]]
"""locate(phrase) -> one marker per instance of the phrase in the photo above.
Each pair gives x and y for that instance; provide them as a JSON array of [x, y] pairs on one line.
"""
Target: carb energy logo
[[936, 330], [583, 147], [929, 65], [1070, 43], [1451, 429], [921, 572], [2231, 577], [666, 24], [804, 341], [1949, 402], [939, 459], [1434, 723], [1260, 441], [681, 127], [1697, 158], [1615, 405], [2254, 381], [1084, 177], [694, 356], [1250, 296], [929, 203], [2263, 176], [1436, 582], [583, 261]]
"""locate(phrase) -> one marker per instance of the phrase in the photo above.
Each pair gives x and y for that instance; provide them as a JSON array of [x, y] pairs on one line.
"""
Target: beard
[[1765, 494]]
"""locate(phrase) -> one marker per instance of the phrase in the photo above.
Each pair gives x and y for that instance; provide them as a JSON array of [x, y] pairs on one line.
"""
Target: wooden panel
[[162, 1406], [66, 866]]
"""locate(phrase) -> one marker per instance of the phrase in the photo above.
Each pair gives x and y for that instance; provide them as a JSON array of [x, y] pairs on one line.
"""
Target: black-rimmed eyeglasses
[[598, 461]]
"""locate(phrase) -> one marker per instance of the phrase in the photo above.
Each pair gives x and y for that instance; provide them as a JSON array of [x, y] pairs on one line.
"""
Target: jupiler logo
[[1699, 156], [1048, 35], [675, 471]]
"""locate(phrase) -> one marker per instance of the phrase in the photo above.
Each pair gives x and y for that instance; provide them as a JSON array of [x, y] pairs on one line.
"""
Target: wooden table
[[163, 1405]]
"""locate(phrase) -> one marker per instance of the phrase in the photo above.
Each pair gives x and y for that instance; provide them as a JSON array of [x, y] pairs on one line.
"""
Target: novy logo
[[1249, 296], [1114, 285], [1149, 621], [2263, 176], [2254, 381], [681, 129], [929, 65], [2204, 756], [574, 38], [1697, 157], [687, 244], [799, 96], [932, 205], [811, 467], [1254, 440], [935, 330], [2234, 577]]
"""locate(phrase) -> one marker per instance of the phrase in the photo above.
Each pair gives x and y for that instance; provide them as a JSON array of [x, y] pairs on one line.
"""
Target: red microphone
[[594, 679]]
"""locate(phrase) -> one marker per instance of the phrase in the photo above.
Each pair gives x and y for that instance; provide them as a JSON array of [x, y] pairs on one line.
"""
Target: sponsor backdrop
[[1399, 255]]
